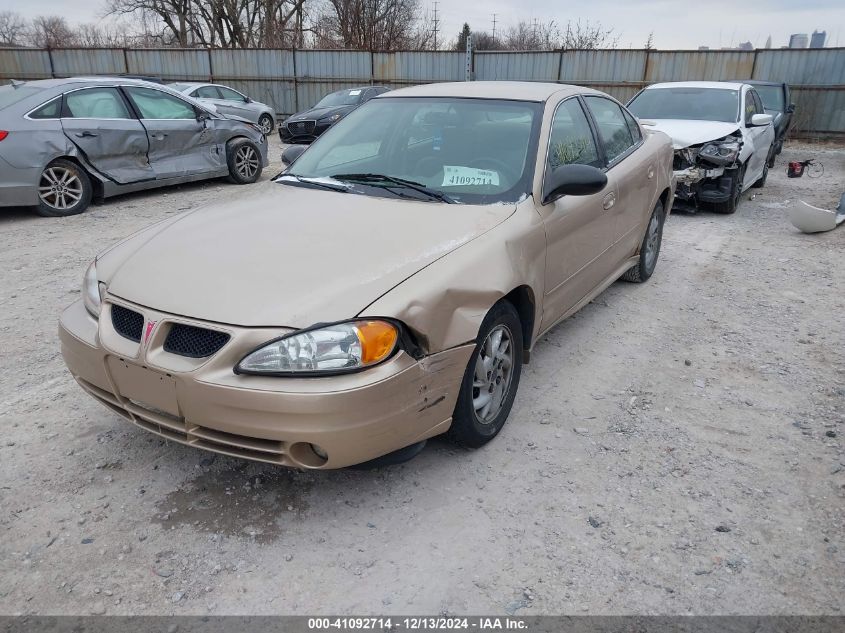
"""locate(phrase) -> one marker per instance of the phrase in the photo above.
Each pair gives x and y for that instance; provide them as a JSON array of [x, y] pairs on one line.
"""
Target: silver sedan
[[230, 102], [66, 141]]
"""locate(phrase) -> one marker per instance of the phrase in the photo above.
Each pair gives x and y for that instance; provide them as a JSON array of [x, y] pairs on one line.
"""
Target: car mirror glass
[[573, 180], [291, 153]]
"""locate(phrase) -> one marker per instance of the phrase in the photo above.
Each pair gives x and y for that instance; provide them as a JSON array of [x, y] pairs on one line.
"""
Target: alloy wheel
[[493, 374], [652, 241], [246, 161], [266, 125], [59, 188]]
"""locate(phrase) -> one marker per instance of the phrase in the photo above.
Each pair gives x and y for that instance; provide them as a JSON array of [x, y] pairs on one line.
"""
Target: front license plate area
[[144, 385]]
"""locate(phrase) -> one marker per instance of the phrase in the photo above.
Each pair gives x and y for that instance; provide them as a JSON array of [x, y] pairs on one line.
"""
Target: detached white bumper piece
[[809, 219]]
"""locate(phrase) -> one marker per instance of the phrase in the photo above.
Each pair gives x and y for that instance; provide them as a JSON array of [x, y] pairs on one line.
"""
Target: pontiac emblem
[[150, 326]]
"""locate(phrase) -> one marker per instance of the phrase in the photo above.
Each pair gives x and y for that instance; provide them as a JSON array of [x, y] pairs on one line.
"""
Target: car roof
[[719, 85], [757, 82], [101, 80], [511, 90]]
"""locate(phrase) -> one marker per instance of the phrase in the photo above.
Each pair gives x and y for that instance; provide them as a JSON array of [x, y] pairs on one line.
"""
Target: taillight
[[3, 134]]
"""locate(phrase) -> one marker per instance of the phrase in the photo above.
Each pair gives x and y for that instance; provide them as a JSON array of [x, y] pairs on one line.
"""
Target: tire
[[473, 427], [266, 123], [730, 205], [649, 248], [761, 181], [244, 160], [63, 189]]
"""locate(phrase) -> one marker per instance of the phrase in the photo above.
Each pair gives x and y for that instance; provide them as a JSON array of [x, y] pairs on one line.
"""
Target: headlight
[[92, 290], [720, 153], [331, 119], [328, 349]]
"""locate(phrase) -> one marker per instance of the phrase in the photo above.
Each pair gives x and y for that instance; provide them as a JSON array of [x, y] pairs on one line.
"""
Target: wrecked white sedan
[[720, 133]]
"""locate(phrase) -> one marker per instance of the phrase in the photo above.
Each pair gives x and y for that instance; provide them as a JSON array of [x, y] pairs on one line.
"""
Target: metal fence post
[[469, 57], [50, 59]]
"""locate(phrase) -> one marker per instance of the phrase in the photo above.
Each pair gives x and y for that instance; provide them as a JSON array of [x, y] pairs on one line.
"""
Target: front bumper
[[203, 403]]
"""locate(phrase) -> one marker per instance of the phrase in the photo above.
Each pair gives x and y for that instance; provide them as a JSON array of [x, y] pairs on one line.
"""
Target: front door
[[579, 229], [180, 144], [99, 122]]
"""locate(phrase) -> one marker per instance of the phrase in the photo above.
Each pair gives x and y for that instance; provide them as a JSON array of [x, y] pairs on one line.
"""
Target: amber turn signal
[[378, 340]]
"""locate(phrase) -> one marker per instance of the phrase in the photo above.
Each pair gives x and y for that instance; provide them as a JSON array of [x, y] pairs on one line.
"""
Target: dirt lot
[[675, 448]]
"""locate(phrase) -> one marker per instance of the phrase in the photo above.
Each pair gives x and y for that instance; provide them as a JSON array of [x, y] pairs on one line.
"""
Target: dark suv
[[304, 127]]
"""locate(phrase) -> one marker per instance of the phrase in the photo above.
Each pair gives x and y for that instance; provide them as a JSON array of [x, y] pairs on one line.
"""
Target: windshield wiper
[[399, 182], [319, 183]]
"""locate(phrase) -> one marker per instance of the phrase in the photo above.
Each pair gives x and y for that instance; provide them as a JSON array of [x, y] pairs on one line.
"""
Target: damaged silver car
[[721, 136], [64, 142]]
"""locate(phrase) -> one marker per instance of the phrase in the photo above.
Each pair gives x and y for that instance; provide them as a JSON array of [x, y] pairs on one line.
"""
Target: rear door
[[179, 144], [620, 137], [761, 137], [100, 123], [579, 229]]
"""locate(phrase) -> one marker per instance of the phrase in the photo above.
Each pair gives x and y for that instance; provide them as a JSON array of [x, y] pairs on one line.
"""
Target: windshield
[[9, 95], [695, 104], [340, 98], [772, 97], [470, 150]]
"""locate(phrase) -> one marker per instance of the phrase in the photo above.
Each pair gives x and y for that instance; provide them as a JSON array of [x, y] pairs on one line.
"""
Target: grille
[[193, 342], [302, 127], [128, 323]]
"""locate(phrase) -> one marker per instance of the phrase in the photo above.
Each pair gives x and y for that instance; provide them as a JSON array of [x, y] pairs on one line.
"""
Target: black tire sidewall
[[466, 429], [645, 273], [47, 211], [265, 117], [233, 146]]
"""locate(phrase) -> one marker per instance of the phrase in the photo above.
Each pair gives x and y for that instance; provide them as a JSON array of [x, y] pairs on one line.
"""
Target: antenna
[[436, 24], [494, 28]]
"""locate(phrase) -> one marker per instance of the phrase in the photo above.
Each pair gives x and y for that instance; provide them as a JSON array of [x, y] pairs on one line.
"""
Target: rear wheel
[[244, 160], [649, 249], [265, 122], [491, 379], [730, 205], [63, 189]]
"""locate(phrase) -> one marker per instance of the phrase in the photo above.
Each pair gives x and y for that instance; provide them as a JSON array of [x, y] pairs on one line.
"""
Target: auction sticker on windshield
[[458, 176]]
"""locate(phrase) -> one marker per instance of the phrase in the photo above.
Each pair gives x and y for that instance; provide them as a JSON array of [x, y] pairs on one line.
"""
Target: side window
[[613, 129], [750, 107], [230, 95], [571, 140], [96, 103], [758, 103], [155, 104], [207, 92], [633, 126], [50, 110]]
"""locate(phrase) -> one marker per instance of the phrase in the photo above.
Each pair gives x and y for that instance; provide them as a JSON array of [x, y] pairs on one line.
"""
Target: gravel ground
[[676, 447]]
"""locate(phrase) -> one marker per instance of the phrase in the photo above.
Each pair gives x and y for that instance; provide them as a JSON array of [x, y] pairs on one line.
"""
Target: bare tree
[[12, 29], [480, 41], [547, 36], [649, 43], [51, 31], [369, 24], [585, 35]]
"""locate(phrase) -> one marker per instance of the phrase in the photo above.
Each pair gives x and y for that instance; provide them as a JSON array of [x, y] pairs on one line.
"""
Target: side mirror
[[291, 153], [759, 120], [573, 180], [247, 100], [790, 109]]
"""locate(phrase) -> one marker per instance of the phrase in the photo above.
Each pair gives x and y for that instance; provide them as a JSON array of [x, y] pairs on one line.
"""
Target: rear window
[[9, 95]]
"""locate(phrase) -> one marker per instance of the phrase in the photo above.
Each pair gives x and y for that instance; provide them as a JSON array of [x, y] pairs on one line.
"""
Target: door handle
[[609, 201], [159, 136], [650, 172], [86, 134]]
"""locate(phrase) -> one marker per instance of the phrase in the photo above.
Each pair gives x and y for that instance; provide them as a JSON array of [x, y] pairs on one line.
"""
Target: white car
[[721, 135], [229, 102]]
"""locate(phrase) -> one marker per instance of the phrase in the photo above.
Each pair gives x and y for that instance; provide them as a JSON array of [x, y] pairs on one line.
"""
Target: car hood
[[321, 113], [685, 133], [288, 256]]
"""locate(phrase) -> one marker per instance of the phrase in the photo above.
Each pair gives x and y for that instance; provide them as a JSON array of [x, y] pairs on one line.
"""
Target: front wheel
[[490, 380], [265, 122], [244, 160], [649, 249], [730, 205], [63, 189]]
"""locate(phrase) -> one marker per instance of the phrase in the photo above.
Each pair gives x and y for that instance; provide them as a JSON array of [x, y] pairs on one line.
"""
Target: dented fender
[[444, 303]]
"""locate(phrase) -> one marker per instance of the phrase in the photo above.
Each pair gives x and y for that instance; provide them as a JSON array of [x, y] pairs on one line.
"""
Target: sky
[[688, 24]]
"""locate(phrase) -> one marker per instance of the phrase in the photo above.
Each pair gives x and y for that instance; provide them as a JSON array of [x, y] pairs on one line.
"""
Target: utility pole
[[436, 24], [494, 29]]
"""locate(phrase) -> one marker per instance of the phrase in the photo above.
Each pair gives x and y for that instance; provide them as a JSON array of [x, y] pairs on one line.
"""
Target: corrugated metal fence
[[294, 80]]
